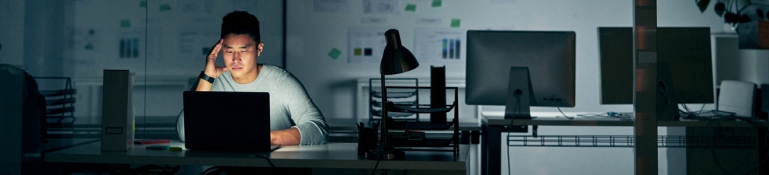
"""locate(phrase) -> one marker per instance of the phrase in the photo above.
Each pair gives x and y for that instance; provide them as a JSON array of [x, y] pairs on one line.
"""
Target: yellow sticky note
[[455, 23]]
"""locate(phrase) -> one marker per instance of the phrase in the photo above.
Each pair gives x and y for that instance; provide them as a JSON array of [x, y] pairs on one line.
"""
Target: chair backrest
[[180, 117], [19, 95], [737, 96]]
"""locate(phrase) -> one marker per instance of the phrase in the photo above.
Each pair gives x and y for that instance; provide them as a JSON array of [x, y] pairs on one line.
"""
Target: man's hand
[[211, 68]]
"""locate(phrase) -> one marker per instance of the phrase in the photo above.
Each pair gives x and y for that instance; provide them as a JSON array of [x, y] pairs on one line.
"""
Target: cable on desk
[[688, 113], [266, 158], [559, 109], [619, 115], [377, 164]]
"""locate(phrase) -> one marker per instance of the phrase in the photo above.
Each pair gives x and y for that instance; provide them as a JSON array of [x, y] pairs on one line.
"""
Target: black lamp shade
[[396, 58]]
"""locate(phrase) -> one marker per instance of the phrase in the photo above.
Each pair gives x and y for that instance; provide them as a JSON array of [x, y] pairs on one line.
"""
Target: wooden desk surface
[[331, 155]]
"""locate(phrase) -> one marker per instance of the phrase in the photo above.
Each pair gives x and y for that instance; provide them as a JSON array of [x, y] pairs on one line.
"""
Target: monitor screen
[[549, 56], [686, 50], [616, 54]]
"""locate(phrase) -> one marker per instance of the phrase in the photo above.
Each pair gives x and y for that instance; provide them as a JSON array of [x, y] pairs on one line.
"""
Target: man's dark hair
[[240, 22]]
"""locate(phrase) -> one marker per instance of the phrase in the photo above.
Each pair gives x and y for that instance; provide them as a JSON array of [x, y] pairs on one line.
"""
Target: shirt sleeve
[[308, 118], [180, 126]]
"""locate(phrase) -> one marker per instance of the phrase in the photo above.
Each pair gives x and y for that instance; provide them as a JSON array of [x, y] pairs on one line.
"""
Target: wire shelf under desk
[[628, 141]]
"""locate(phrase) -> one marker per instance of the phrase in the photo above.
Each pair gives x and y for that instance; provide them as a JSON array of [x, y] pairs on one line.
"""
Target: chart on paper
[[439, 45]]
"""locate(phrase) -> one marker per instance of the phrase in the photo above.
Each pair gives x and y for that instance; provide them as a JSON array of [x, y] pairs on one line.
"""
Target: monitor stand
[[519, 97]]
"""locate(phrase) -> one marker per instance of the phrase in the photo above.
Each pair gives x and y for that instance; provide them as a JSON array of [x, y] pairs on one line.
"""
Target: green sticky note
[[437, 3], [165, 7], [455, 22], [125, 23], [143, 4], [334, 53], [411, 7]]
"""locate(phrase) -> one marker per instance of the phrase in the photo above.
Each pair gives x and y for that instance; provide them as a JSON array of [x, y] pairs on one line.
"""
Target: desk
[[350, 124], [493, 126], [345, 130], [331, 156]]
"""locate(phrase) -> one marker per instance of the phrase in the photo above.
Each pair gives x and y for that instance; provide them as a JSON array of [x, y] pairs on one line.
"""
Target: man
[[294, 118]]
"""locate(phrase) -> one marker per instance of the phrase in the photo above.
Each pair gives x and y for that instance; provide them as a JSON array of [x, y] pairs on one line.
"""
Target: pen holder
[[367, 140]]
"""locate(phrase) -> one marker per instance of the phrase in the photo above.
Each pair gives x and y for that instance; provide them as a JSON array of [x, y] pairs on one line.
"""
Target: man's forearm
[[290, 136]]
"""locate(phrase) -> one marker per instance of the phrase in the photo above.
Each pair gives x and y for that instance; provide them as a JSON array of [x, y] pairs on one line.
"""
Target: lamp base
[[385, 152]]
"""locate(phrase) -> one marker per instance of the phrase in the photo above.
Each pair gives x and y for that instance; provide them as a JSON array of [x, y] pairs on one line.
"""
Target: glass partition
[[66, 45]]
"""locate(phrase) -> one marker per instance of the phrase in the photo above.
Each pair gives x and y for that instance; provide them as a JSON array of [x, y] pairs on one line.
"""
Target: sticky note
[[143, 4], [437, 3], [165, 7], [334, 53], [455, 22], [125, 23], [357, 51], [411, 7]]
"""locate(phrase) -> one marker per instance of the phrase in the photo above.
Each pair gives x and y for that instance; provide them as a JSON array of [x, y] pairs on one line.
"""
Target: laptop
[[227, 121]]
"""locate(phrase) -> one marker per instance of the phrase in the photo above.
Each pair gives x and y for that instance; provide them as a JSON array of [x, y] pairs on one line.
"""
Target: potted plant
[[749, 18]]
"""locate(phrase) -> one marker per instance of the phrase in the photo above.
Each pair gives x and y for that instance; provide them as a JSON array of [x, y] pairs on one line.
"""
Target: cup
[[367, 140]]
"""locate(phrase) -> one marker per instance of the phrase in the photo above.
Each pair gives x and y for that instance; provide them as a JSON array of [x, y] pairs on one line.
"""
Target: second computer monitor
[[616, 53], [686, 50], [548, 55]]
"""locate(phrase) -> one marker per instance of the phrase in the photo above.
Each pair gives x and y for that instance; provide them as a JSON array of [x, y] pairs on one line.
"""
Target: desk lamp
[[395, 59]]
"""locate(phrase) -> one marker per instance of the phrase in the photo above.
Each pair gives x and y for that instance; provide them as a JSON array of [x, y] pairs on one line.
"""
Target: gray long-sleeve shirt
[[290, 105]]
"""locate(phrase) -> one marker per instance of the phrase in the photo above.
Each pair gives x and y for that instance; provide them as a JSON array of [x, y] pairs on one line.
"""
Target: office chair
[[180, 117], [22, 129], [737, 97]]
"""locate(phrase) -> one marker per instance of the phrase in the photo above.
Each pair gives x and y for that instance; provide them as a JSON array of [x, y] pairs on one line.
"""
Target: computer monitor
[[548, 55], [685, 50], [616, 54]]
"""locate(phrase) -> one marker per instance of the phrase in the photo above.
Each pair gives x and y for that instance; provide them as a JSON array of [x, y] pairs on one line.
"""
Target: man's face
[[240, 53]]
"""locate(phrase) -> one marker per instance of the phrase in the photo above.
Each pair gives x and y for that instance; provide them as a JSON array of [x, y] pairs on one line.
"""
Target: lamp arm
[[384, 112]]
